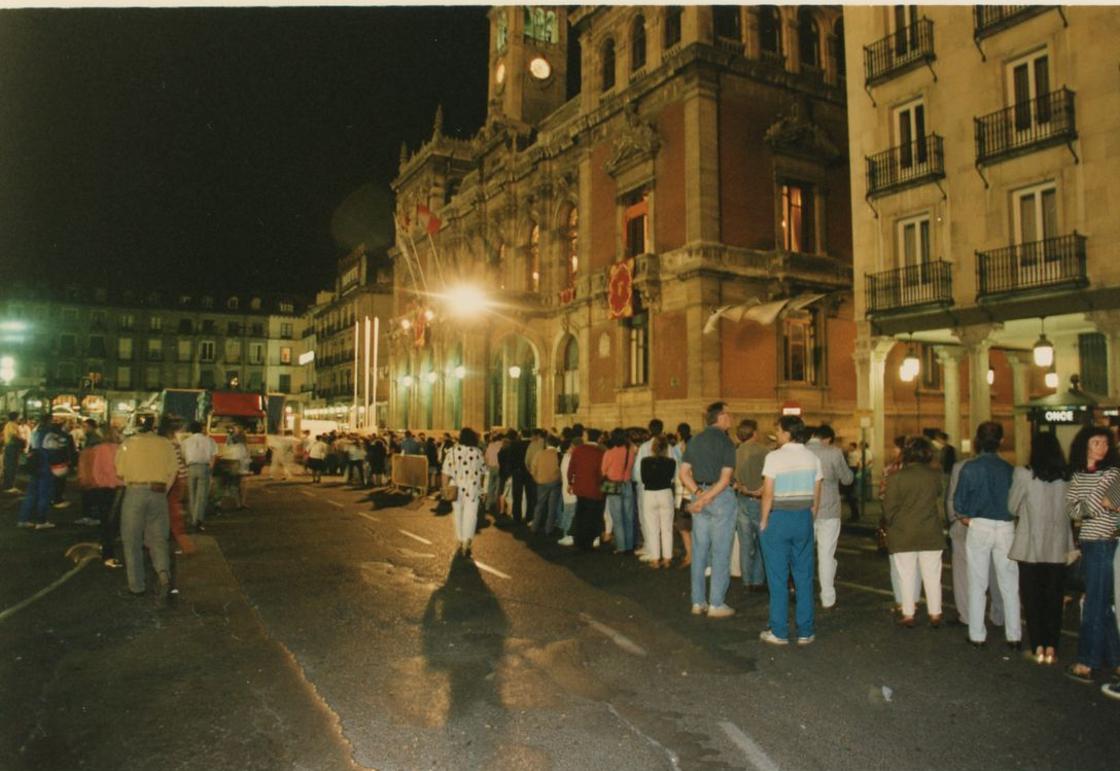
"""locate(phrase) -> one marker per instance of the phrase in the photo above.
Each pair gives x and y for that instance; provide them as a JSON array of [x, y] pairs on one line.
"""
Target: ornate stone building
[[983, 140], [675, 233]]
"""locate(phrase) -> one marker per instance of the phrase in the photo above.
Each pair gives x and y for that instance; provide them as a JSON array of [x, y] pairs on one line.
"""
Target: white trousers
[[988, 542], [657, 508], [827, 533], [958, 534], [912, 565], [915, 587], [464, 513], [643, 524]]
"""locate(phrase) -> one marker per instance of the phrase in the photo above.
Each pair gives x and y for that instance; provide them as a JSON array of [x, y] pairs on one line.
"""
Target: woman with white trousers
[[465, 467], [659, 478]]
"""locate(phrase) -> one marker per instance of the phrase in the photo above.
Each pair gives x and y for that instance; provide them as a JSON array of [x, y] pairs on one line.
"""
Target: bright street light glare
[[465, 300], [13, 326]]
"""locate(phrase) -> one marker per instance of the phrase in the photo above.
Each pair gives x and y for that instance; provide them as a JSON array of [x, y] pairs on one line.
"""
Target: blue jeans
[[548, 506], [621, 508], [567, 514], [1098, 646], [712, 531], [750, 552], [787, 547], [37, 499]]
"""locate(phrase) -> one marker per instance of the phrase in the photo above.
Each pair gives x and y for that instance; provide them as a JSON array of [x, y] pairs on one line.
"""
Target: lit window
[[637, 340], [799, 348], [533, 269], [797, 218], [573, 247], [636, 224]]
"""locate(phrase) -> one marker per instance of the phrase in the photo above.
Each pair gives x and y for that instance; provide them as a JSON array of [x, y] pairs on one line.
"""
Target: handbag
[[450, 492], [611, 487]]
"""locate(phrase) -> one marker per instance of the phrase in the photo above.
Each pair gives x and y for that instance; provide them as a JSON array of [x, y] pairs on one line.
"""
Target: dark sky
[[212, 146]]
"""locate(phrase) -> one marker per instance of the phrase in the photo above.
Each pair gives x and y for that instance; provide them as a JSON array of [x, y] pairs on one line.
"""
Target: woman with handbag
[[464, 471], [1043, 540], [617, 468], [1093, 498]]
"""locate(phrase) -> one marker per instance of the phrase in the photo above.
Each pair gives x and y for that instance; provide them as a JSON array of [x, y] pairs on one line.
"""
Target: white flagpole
[[365, 422], [357, 350], [376, 336]]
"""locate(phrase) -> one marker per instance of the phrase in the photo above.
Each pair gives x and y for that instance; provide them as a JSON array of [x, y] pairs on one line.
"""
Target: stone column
[[950, 359], [874, 350], [977, 342], [1021, 364]]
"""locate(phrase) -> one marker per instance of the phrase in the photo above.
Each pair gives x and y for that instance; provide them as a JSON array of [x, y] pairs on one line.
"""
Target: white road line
[[843, 550], [415, 537], [618, 638], [370, 517], [308, 493], [674, 760], [8, 613], [336, 504], [863, 588], [755, 754], [493, 571]]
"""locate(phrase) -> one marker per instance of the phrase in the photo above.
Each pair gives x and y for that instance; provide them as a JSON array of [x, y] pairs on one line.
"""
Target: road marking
[[863, 588], [370, 517], [415, 537], [844, 550], [336, 504], [410, 553], [618, 638], [308, 493], [755, 754], [488, 569], [83, 562], [674, 761]]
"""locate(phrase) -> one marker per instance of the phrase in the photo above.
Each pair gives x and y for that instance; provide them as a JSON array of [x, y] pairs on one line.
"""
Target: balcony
[[1026, 127], [899, 52], [990, 19], [1053, 263], [910, 287], [906, 166]]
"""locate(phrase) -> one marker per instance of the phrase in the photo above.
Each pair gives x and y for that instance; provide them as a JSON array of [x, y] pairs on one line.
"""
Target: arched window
[[725, 19], [808, 39], [607, 64], [638, 43], [672, 25], [769, 30], [571, 239], [533, 269], [567, 375], [838, 46]]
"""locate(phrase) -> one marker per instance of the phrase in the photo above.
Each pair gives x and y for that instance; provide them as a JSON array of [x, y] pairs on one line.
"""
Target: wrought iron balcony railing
[[908, 47], [1026, 126], [906, 165], [1050, 263], [927, 283], [990, 19]]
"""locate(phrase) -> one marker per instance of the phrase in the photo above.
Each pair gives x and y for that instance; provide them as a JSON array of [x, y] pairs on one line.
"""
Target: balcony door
[[904, 21], [1035, 220], [910, 135], [1028, 84], [915, 277]]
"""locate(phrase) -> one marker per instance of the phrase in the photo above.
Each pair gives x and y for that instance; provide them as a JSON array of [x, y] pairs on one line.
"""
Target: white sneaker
[[62, 505], [646, 557], [595, 544], [13, 490], [25, 524], [721, 611], [44, 525], [699, 609], [806, 640], [769, 637], [567, 541]]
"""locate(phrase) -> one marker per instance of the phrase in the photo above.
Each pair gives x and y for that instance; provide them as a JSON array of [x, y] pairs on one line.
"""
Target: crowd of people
[[1021, 535]]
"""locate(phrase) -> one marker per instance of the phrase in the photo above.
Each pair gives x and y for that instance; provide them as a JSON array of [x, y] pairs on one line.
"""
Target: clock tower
[[528, 62]]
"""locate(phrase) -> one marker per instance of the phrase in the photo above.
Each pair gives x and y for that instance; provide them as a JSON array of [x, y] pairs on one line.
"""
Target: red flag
[[426, 217], [620, 290]]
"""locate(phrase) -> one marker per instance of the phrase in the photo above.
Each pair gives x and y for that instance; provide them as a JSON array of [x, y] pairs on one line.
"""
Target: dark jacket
[[912, 509]]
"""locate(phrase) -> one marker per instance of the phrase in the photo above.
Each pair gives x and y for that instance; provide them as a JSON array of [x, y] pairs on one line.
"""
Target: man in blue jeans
[[706, 469], [750, 456], [791, 493]]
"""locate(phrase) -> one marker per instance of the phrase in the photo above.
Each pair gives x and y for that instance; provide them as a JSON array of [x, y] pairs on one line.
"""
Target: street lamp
[[7, 369], [1052, 380], [515, 372], [464, 301], [1043, 349], [406, 381], [460, 372], [991, 376], [910, 367]]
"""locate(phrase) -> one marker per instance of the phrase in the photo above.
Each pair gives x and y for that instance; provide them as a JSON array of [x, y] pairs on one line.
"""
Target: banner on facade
[[620, 289]]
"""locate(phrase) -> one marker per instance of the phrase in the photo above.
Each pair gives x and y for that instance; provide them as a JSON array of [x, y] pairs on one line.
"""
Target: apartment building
[[985, 157]]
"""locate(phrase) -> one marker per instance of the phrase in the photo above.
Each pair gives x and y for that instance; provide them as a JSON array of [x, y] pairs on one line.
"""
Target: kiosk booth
[[1064, 413]]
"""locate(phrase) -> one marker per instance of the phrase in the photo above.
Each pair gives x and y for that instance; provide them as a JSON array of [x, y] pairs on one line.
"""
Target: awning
[[759, 312]]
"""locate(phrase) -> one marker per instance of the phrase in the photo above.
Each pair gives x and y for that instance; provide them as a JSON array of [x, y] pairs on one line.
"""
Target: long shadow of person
[[464, 633]]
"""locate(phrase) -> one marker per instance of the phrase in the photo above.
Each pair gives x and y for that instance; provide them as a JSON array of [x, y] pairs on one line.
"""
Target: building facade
[[362, 290], [677, 232], [122, 346], [983, 147]]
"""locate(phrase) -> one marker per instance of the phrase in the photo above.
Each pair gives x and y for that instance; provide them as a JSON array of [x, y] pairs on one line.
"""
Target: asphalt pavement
[[314, 631]]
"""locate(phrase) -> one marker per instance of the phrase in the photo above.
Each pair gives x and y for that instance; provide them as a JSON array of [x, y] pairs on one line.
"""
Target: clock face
[[500, 73], [540, 68]]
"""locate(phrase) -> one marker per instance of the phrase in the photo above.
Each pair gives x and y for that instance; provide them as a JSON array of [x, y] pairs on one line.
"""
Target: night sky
[[213, 147]]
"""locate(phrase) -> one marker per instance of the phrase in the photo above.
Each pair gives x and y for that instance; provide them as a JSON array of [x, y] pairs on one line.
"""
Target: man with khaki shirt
[[545, 470], [148, 465]]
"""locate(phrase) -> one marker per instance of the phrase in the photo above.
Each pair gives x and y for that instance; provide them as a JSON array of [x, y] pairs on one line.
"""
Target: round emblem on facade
[[540, 68], [500, 73]]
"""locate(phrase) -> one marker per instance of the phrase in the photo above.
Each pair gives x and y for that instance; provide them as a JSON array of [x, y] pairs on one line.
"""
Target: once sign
[[1060, 416]]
